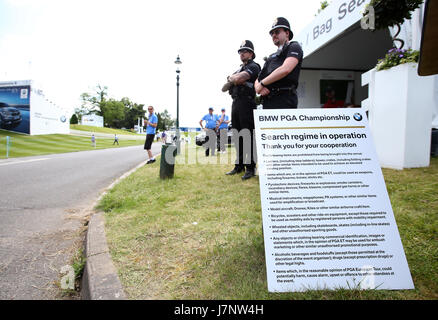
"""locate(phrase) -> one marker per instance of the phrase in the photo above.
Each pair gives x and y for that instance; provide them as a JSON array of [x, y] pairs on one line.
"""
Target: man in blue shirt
[[151, 126], [222, 130], [210, 128]]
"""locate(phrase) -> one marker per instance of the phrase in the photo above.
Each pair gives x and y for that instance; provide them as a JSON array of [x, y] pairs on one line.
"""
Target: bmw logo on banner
[[63, 119], [357, 117]]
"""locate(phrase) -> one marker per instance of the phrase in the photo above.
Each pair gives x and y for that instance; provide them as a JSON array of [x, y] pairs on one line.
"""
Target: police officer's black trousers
[[242, 119], [281, 100]]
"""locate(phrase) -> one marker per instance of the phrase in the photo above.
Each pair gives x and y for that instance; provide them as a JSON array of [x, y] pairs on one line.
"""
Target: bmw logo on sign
[[63, 119], [357, 117]]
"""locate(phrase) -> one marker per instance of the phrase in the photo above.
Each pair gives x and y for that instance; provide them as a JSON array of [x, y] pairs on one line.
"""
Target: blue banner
[[15, 108]]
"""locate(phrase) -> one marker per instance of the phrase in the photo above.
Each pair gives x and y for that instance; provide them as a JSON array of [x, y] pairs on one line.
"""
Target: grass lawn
[[22, 145], [101, 130], [199, 235]]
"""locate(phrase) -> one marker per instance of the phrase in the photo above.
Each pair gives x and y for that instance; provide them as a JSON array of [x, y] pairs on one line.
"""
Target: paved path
[[44, 203]]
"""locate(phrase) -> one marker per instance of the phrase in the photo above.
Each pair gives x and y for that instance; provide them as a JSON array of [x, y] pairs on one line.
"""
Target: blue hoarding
[[15, 108]]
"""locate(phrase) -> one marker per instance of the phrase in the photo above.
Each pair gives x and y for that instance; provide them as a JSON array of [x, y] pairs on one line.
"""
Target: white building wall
[[308, 89], [400, 106], [309, 86], [360, 92]]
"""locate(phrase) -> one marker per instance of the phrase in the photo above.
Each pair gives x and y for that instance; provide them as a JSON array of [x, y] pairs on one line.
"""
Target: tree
[[165, 120], [113, 113], [74, 119], [116, 113], [101, 93], [93, 102], [392, 13], [81, 111], [133, 111]]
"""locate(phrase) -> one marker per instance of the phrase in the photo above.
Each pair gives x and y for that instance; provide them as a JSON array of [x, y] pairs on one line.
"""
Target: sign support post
[[7, 146]]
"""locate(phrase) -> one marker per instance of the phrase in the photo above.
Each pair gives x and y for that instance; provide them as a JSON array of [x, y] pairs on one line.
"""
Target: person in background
[[93, 141], [210, 128], [116, 139], [151, 126], [331, 99], [222, 130]]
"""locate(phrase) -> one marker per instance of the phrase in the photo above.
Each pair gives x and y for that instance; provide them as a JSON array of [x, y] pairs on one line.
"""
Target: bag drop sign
[[327, 218]]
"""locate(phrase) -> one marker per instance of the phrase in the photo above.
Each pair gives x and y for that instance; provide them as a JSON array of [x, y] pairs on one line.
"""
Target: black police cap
[[281, 22], [247, 45]]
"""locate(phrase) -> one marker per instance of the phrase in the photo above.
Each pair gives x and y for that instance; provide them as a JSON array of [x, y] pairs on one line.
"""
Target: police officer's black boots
[[236, 170], [250, 172]]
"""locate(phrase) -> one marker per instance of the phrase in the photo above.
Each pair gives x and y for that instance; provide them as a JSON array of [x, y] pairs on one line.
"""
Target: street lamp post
[[178, 142]]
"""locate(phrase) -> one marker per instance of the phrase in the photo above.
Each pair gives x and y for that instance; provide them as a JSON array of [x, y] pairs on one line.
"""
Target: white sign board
[[330, 22], [92, 120], [46, 117], [327, 218]]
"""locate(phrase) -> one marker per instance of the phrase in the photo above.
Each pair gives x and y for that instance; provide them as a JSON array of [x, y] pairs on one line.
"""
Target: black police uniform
[[242, 116], [283, 94]]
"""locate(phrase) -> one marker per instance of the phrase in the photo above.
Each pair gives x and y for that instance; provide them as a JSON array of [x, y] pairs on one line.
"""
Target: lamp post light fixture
[[178, 142]]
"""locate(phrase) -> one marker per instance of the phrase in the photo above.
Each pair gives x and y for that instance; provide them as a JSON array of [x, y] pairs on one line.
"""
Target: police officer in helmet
[[240, 86], [278, 80]]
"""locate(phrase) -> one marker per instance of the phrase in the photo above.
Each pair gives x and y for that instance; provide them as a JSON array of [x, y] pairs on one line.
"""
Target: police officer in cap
[[240, 86], [278, 80]]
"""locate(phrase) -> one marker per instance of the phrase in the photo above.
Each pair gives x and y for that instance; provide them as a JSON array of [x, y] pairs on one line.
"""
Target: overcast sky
[[68, 47]]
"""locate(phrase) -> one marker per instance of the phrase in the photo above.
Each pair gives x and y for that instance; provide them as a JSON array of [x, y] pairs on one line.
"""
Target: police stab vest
[[275, 61]]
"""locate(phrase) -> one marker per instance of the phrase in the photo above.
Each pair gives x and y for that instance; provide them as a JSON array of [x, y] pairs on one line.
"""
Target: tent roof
[[354, 49]]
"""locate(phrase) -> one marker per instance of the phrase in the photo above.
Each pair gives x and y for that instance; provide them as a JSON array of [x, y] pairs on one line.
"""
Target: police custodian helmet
[[281, 22], [247, 45]]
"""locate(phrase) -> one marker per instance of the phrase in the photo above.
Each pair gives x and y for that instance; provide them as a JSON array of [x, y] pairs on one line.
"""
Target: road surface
[[44, 204]]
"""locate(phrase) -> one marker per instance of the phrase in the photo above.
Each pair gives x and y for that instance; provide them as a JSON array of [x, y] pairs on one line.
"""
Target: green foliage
[[74, 119], [178, 241], [116, 113], [394, 57], [78, 264], [92, 103], [113, 112], [132, 111], [324, 4], [165, 120], [389, 13]]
